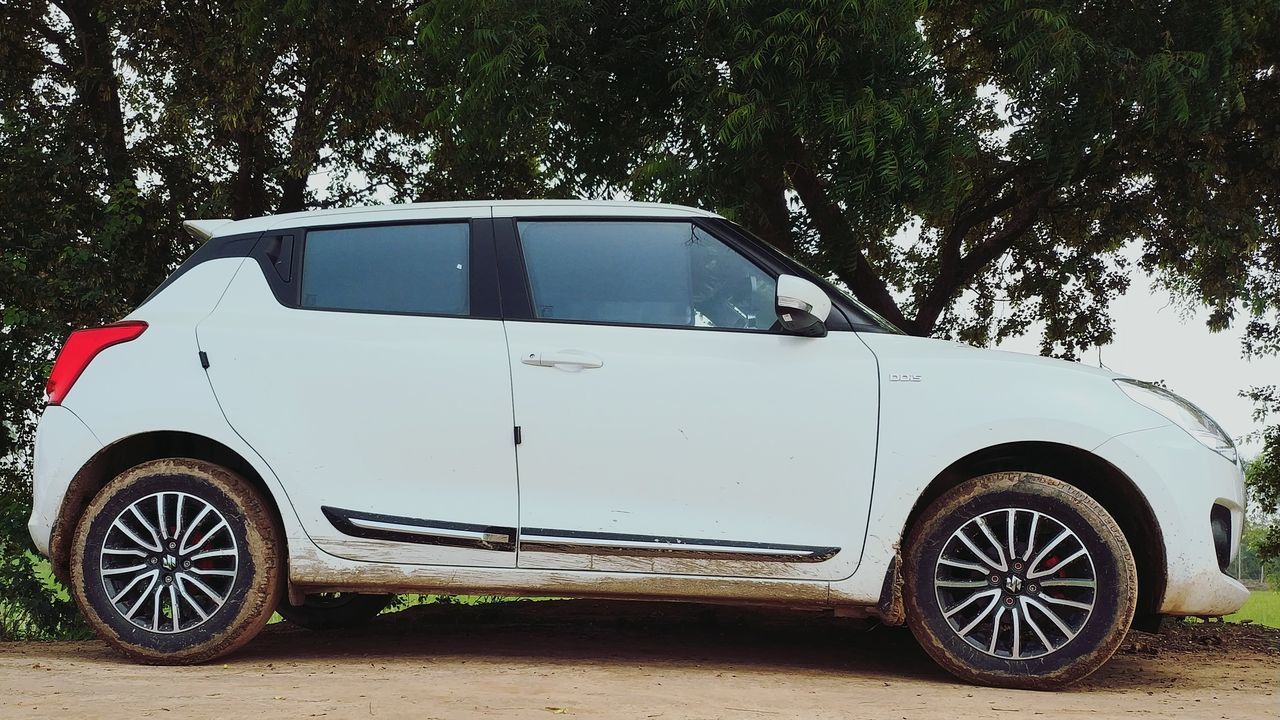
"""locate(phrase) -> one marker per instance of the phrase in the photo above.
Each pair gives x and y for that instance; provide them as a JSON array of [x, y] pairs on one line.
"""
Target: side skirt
[[312, 570]]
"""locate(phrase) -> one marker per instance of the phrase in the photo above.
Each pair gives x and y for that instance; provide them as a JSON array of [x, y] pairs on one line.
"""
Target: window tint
[[400, 268], [647, 273]]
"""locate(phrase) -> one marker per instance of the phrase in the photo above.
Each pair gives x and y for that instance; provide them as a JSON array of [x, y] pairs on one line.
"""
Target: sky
[[1155, 339]]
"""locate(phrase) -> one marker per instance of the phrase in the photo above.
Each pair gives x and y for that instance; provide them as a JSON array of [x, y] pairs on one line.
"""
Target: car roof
[[207, 228]]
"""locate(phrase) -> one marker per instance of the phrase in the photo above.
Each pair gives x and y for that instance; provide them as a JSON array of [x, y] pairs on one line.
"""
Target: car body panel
[[156, 384], [751, 437], [1181, 481], [64, 444], [942, 401], [406, 417]]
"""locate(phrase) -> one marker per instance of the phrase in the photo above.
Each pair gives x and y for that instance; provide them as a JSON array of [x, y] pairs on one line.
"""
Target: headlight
[[1181, 413]]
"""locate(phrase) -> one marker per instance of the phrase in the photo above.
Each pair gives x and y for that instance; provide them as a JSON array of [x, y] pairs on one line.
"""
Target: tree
[[1262, 476], [1249, 565], [1025, 143]]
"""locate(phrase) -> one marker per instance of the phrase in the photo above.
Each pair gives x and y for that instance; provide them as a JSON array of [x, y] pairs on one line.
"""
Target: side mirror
[[802, 306]]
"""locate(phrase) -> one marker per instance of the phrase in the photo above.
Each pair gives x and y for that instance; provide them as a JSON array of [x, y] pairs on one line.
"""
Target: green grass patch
[[44, 571], [404, 602], [33, 605], [1262, 607]]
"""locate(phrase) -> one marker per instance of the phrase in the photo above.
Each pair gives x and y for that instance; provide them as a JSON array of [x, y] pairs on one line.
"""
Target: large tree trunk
[[98, 89], [248, 188]]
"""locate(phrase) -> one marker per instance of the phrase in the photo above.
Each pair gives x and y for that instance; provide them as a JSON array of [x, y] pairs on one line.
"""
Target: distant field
[[1263, 608]]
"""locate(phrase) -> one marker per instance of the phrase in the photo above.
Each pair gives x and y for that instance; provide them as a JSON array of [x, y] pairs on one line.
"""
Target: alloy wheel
[[1015, 583], [168, 562]]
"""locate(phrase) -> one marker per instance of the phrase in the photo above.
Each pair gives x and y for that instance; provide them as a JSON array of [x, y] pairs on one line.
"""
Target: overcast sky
[[1155, 342]]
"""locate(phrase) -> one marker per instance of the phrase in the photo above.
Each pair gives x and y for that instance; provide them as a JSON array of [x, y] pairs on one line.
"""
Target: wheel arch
[[129, 452], [1099, 479]]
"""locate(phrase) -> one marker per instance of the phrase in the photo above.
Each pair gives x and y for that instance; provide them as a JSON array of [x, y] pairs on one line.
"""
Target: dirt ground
[[626, 660]]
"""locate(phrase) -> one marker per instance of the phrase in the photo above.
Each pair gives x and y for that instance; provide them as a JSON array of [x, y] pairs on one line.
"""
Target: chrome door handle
[[567, 359]]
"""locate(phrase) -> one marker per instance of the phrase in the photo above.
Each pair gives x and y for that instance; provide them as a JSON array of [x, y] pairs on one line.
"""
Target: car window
[[643, 273], [420, 269]]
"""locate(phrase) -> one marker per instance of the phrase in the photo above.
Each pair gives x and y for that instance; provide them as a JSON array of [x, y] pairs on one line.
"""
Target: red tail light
[[80, 349]]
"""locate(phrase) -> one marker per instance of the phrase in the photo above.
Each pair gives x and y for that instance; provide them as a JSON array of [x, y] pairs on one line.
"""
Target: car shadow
[[616, 632], [658, 634]]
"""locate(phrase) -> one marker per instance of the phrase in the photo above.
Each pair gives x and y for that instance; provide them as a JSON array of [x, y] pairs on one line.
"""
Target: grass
[[404, 602], [44, 571], [1262, 607]]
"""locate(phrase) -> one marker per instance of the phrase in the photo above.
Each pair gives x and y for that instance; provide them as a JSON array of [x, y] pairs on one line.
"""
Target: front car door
[[668, 425], [371, 375]]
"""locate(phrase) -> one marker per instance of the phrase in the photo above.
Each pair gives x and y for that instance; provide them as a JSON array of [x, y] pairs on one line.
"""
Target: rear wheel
[[331, 611], [1019, 580], [177, 561]]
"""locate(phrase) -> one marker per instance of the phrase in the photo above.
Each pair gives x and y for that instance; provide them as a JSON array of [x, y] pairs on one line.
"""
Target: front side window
[[417, 269], [643, 273]]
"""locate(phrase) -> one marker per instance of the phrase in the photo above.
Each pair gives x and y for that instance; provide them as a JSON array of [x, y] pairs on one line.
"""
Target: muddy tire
[[334, 611], [1018, 580], [177, 561]]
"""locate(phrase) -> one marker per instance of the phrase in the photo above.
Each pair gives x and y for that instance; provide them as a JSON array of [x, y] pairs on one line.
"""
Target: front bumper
[[1183, 481], [63, 445]]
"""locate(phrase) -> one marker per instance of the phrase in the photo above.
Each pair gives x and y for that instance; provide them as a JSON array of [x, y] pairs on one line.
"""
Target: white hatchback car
[[604, 399]]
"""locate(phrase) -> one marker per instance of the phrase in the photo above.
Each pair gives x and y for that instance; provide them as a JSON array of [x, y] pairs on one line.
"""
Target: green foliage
[[1250, 565], [33, 606], [1030, 141], [1262, 476]]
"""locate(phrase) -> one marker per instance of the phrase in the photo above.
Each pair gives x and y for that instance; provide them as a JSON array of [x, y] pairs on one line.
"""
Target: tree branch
[[58, 41], [854, 268], [99, 88], [950, 271], [1026, 210]]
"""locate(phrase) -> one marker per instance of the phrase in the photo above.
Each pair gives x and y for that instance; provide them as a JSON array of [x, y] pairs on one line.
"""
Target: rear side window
[[417, 269], [643, 273]]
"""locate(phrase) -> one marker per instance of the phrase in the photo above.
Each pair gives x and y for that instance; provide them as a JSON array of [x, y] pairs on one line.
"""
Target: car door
[[371, 375], [667, 424]]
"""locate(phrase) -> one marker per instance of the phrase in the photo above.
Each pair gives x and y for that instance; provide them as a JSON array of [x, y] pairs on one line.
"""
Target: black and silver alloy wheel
[[177, 561], [169, 562], [1018, 580], [1015, 583]]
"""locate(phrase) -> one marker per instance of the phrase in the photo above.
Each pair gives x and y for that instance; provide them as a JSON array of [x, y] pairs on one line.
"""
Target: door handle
[[566, 359]]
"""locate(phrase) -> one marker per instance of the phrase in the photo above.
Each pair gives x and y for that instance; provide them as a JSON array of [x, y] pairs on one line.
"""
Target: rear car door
[[366, 364], [668, 425]]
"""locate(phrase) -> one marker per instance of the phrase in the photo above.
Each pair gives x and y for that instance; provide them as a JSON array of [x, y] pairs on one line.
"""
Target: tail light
[[80, 349]]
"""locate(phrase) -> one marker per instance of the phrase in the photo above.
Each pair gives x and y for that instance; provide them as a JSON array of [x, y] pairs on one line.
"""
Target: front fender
[[941, 402]]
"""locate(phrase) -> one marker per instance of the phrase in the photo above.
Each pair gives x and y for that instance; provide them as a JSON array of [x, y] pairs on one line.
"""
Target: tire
[[333, 611], [964, 609], [183, 532]]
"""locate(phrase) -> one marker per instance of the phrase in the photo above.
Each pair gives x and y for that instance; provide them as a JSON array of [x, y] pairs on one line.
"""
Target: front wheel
[[177, 561], [1018, 580]]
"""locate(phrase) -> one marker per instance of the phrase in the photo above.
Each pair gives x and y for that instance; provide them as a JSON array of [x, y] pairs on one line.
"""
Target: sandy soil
[[625, 660]]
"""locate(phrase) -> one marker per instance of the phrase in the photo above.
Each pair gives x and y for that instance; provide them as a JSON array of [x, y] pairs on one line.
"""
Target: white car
[[604, 399]]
